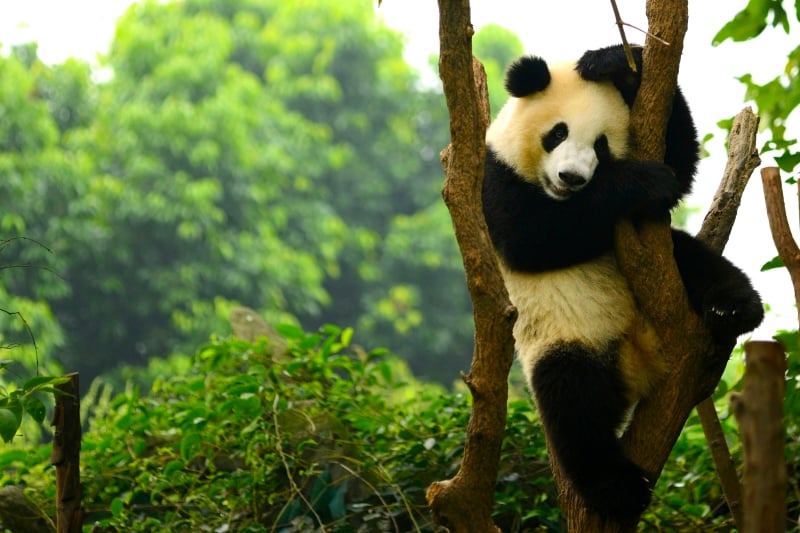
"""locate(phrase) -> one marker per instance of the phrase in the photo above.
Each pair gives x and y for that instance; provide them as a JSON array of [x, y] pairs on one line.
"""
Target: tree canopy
[[277, 155]]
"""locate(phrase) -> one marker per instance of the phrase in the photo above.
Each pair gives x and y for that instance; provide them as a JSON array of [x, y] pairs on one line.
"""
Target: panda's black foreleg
[[581, 400], [720, 293]]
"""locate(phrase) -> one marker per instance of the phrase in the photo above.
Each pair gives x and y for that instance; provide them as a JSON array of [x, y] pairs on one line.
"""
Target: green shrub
[[288, 434], [247, 440]]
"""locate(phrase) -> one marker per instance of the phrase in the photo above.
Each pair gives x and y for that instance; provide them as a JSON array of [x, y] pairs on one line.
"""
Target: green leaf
[[744, 26], [752, 20], [347, 333], [173, 466], [191, 444], [9, 457], [35, 408], [10, 419], [775, 262], [290, 331], [38, 382], [788, 161], [117, 507]]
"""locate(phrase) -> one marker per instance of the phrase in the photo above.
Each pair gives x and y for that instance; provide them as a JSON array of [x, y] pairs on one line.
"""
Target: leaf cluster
[[27, 399], [253, 442], [778, 98]]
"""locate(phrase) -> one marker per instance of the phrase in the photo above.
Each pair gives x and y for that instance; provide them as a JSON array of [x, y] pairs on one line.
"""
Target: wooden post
[[759, 412], [66, 457]]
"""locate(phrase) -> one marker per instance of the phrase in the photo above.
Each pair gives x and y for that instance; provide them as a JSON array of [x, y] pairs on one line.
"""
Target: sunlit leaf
[[775, 262]]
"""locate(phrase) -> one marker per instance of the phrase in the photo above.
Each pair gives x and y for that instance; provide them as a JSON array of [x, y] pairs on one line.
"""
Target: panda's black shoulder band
[[527, 75]]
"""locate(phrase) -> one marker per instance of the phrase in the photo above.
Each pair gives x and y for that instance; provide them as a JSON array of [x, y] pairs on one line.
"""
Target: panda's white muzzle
[[568, 169]]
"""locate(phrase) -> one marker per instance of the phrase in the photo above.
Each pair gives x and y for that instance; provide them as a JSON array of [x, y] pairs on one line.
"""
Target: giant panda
[[557, 179]]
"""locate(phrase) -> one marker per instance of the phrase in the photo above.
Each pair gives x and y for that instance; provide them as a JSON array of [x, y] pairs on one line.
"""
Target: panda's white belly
[[591, 304]]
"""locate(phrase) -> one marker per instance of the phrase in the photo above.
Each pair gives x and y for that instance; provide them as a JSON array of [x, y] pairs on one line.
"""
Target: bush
[[290, 433], [318, 432]]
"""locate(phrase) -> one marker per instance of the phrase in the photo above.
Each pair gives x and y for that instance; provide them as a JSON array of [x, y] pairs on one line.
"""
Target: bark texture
[[464, 503], [787, 248], [759, 412], [66, 457]]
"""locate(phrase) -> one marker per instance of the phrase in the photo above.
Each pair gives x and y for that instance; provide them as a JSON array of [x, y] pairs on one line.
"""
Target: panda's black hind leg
[[720, 293], [581, 401]]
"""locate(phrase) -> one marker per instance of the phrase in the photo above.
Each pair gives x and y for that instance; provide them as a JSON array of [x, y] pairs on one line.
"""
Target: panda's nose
[[572, 179]]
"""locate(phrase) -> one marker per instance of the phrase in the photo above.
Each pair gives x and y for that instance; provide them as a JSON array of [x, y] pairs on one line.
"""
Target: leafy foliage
[[251, 440], [16, 402], [776, 99], [257, 437], [254, 151]]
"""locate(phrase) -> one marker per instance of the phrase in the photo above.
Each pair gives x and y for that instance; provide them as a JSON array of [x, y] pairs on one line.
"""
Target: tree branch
[[464, 503], [742, 160], [645, 258], [779, 226]]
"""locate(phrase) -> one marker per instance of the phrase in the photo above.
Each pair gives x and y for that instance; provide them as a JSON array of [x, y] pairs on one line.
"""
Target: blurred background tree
[[278, 155]]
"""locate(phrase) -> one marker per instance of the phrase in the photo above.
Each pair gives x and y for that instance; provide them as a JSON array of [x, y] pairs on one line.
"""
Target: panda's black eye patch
[[601, 148], [555, 136]]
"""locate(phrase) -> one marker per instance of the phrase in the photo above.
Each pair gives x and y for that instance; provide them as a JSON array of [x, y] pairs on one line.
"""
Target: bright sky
[[554, 30]]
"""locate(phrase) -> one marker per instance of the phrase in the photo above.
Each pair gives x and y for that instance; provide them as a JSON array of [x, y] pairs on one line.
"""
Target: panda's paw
[[658, 187], [624, 493], [606, 64], [665, 187], [731, 311]]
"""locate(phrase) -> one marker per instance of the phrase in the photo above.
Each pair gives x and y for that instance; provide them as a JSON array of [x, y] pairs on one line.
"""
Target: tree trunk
[[645, 256], [759, 412], [66, 457], [464, 503]]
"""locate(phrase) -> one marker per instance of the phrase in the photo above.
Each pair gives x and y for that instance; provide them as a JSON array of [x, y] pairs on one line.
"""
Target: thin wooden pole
[[66, 457], [759, 412]]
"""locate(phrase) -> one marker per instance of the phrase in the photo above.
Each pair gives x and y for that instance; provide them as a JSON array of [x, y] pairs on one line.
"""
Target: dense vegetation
[[284, 436], [280, 155]]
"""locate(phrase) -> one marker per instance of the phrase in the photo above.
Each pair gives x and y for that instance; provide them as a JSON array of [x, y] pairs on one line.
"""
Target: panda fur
[[557, 179]]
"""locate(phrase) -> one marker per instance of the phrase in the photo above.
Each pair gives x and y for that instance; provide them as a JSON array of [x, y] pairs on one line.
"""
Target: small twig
[[656, 37], [625, 45], [6, 242], [374, 489], [282, 455], [30, 334]]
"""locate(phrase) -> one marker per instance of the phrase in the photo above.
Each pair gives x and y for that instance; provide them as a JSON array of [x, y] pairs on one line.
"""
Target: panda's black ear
[[610, 64], [527, 75]]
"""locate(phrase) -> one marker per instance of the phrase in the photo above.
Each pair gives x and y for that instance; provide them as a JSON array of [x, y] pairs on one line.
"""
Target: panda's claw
[[730, 313]]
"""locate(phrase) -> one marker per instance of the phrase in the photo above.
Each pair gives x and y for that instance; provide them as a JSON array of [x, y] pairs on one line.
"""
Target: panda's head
[[557, 126]]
